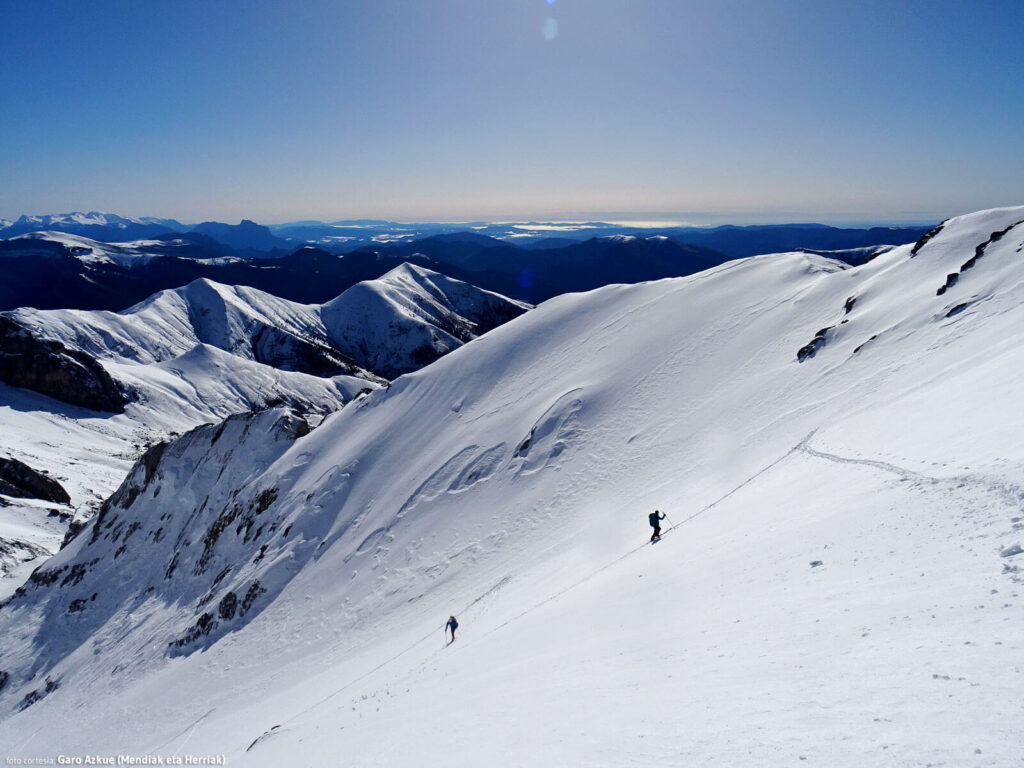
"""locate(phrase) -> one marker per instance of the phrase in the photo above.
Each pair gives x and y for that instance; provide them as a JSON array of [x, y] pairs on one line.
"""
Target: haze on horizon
[[700, 110]]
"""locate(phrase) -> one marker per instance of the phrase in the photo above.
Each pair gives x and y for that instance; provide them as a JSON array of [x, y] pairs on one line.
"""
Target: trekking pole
[[669, 521]]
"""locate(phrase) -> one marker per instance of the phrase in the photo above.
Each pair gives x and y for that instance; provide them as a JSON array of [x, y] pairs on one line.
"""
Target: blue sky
[[740, 110]]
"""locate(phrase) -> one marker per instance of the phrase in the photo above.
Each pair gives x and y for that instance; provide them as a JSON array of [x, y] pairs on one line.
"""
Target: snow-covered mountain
[[838, 453], [410, 317], [200, 353], [111, 228], [47, 244], [394, 325], [99, 226]]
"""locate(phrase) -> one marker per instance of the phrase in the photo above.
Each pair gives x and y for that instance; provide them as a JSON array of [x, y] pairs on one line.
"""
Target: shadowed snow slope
[[837, 448], [410, 317]]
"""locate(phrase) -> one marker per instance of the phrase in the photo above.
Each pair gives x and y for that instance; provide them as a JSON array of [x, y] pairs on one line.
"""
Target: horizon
[[735, 111], [640, 220]]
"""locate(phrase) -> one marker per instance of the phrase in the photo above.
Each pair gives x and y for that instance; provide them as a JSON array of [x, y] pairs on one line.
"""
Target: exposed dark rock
[[979, 250], [951, 280], [39, 694], [228, 606], [212, 535], [925, 238], [130, 489], [77, 605], [859, 348], [219, 432], [171, 567], [265, 499], [20, 480], [810, 349], [204, 625], [43, 578], [51, 369], [128, 534], [254, 591], [263, 549], [77, 572]]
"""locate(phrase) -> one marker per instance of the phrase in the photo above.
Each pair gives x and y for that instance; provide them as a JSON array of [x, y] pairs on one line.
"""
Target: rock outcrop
[[20, 480], [50, 368]]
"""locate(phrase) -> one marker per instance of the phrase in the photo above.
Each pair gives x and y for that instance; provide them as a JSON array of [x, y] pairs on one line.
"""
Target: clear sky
[[750, 110]]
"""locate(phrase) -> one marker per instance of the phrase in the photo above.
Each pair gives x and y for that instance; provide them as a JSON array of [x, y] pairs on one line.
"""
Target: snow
[[93, 218], [832, 589], [190, 354], [30, 531], [90, 251], [389, 324], [381, 324]]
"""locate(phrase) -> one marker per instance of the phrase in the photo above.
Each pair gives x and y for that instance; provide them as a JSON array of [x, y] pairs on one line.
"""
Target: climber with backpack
[[655, 519]]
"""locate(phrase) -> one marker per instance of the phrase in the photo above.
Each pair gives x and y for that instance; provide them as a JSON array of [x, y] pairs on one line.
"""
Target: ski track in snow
[[1012, 495]]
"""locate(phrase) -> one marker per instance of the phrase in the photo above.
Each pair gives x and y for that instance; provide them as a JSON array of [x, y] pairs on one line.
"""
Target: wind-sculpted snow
[[837, 578]]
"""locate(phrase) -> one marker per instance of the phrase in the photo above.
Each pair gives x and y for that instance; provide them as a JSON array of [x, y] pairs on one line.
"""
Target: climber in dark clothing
[[451, 625], [655, 519]]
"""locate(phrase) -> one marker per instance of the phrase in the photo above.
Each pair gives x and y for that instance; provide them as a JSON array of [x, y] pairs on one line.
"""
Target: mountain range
[[63, 269]]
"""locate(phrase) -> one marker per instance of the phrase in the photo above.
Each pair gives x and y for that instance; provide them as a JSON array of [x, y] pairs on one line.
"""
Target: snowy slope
[[90, 452], [392, 325], [838, 448], [410, 317], [102, 226], [92, 252], [201, 352], [235, 319]]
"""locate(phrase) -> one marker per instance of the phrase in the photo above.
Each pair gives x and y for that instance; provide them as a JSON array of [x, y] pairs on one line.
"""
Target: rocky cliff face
[[189, 535], [50, 368], [20, 480]]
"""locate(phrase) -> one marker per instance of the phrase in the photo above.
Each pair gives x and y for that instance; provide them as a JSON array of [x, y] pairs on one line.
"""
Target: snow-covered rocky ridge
[[198, 354], [838, 448], [94, 223], [90, 252], [385, 327]]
